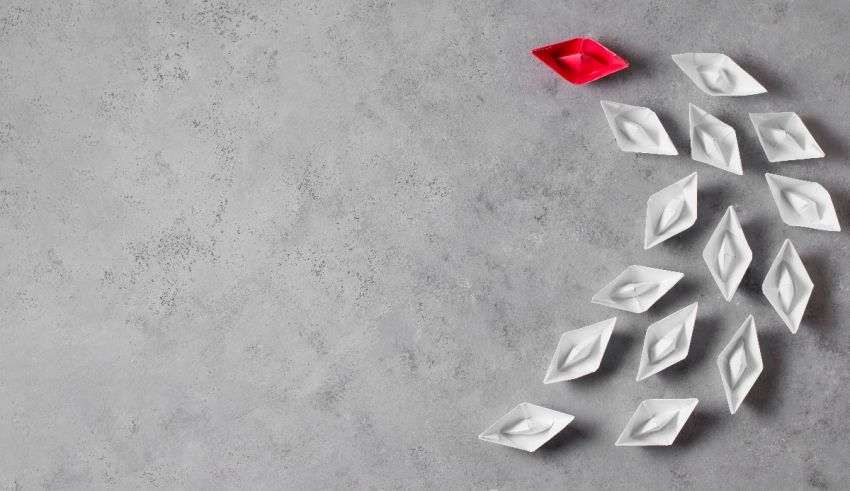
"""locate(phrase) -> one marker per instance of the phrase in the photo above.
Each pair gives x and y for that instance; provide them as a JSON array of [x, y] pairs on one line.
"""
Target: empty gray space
[[324, 244]]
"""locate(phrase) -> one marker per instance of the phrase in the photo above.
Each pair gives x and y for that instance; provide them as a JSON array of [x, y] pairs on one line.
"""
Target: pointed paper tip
[[757, 118], [489, 437], [694, 109], [692, 308], [733, 408]]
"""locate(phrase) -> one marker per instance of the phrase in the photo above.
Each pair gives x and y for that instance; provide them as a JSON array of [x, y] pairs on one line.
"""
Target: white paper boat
[[787, 286], [783, 137], [526, 427], [803, 203], [637, 129], [727, 254], [637, 288], [656, 422], [671, 211], [713, 142], [667, 341], [579, 352], [740, 364], [717, 74]]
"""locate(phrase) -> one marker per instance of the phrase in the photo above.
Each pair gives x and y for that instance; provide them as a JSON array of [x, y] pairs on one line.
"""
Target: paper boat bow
[[580, 60]]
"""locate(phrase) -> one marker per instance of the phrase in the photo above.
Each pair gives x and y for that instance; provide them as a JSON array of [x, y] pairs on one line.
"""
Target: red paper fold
[[580, 60]]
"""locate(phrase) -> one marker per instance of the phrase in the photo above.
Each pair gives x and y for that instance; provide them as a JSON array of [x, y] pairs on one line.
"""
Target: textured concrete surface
[[325, 244]]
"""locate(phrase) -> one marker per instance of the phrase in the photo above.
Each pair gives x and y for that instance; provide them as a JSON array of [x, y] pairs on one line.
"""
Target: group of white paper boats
[[727, 255]]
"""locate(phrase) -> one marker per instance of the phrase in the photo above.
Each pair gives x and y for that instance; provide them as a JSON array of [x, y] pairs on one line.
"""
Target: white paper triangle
[[718, 75], [637, 129]]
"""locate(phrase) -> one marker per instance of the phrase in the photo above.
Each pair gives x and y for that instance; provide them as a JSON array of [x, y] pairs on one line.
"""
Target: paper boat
[[787, 286], [727, 254], [783, 136], [803, 203], [526, 427], [579, 352], [717, 74], [637, 288], [713, 142], [656, 422], [637, 129], [671, 211], [580, 60], [740, 364], [667, 341]]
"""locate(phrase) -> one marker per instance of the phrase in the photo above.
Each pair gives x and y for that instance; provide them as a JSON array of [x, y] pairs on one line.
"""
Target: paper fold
[[637, 288], [713, 142], [671, 211], [783, 137], [667, 341], [740, 364], [637, 129], [526, 427], [787, 286], [656, 422], [727, 254], [580, 60], [803, 203], [718, 75], [579, 352]]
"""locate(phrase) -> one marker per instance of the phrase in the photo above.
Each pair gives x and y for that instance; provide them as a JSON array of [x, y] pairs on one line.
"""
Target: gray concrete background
[[325, 244]]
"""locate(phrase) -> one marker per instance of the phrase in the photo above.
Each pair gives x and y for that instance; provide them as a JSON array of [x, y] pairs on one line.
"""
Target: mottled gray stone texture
[[324, 244]]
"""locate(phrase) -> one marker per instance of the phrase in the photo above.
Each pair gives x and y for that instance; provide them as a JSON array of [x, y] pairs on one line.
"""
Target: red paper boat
[[580, 60]]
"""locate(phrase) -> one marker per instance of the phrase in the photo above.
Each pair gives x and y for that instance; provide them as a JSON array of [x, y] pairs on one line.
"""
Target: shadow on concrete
[[776, 85], [765, 396], [679, 135], [832, 145], [682, 294], [752, 154], [576, 435], [640, 65], [841, 202], [695, 430], [756, 232], [820, 311], [697, 427]]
